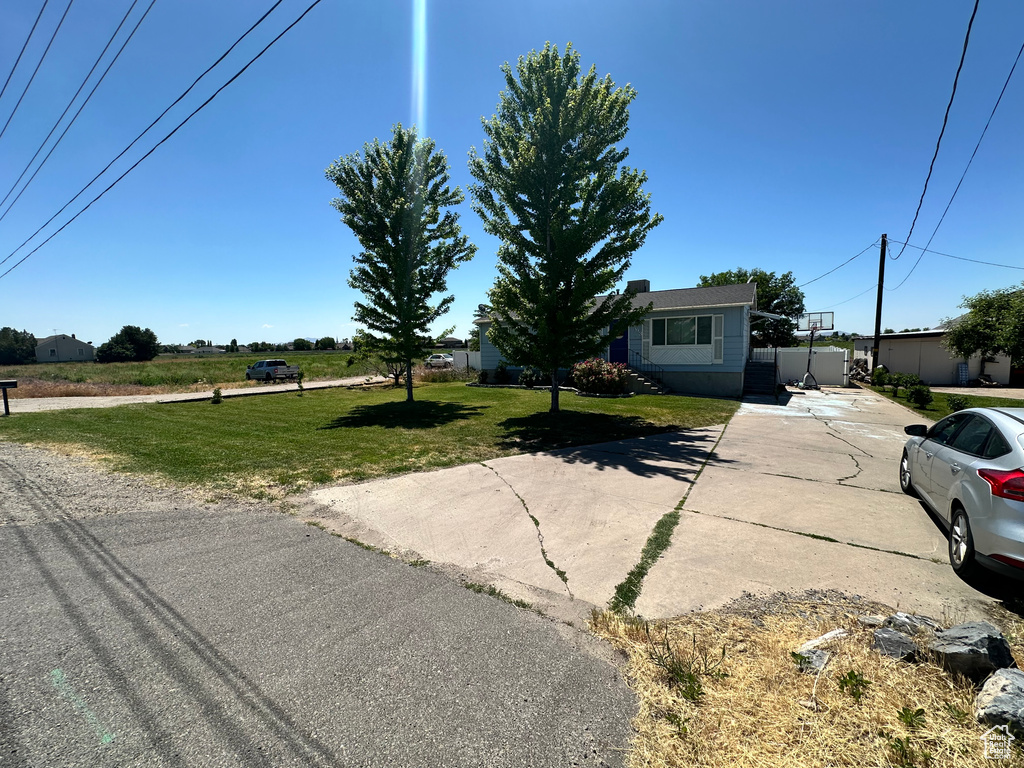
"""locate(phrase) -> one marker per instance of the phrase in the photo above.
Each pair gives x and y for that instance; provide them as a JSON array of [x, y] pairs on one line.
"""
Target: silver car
[[969, 468]]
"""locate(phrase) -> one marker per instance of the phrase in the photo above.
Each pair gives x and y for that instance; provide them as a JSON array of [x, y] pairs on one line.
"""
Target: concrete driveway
[[794, 497]]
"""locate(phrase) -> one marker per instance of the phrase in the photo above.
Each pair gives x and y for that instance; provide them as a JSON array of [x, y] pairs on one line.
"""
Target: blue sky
[[787, 136]]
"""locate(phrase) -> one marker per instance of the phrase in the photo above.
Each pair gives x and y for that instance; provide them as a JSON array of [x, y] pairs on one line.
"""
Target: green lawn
[[277, 444], [939, 407]]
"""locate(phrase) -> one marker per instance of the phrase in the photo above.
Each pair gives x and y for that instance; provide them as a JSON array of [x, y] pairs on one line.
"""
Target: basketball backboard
[[816, 321]]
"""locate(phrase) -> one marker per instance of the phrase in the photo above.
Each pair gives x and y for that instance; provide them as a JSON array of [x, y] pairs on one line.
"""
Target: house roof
[[50, 340], [690, 298]]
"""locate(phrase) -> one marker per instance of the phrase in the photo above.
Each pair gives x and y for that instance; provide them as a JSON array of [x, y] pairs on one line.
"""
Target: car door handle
[[928, 454], [954, 468]]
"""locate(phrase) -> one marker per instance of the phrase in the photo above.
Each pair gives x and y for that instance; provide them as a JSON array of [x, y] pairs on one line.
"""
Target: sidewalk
[[36, 404]]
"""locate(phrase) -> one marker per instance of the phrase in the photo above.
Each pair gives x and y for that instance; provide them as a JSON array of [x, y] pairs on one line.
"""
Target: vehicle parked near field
[[269, 370], [439, 361], [969, 469]]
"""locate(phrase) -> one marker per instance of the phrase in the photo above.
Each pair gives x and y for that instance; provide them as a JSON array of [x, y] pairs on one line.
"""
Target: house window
[[682, 331], [81, 352], [53, 353]]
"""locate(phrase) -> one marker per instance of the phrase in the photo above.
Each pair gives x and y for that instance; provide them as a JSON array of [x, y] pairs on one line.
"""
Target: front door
[[618, 348]]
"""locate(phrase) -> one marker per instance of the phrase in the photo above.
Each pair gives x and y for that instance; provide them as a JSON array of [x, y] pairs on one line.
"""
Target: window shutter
[[645, 345], [717, 341]]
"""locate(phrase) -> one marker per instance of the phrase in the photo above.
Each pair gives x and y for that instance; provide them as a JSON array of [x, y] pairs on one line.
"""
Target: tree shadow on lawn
[[420, 414], [592, 438]]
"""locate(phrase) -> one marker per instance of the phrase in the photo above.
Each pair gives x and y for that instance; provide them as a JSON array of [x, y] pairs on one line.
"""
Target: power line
[[945, 119], [976, 146], [136, 139], [167, 137], [36, 70], [959, 258], [840, 266], [71, 102], [17, 61], [852, 297]]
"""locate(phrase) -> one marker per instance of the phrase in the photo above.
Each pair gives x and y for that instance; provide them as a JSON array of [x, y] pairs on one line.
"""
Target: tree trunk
[[554, 392], [408, 381]]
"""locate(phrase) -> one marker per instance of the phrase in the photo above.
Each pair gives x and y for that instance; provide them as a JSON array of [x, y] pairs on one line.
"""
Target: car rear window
[[973, 436], [997, 446], [276, 362]]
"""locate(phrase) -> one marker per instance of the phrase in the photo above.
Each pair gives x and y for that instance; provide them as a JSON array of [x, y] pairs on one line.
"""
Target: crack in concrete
[[540, 536], [817, 536], [855, 474], [832, 432]]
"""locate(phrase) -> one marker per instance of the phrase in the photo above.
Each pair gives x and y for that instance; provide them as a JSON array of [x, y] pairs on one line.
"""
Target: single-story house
[[922, 353], [694, 340], [62, 348]]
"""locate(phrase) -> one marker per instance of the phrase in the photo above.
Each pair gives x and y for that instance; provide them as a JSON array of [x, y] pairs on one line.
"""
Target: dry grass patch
[[753, 706]]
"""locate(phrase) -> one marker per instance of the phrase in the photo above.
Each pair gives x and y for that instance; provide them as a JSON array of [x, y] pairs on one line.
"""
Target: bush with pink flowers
[[599, 377]]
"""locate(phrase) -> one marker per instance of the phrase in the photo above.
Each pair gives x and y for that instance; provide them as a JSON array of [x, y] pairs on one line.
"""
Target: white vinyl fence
[[829, 365], [464, 359]]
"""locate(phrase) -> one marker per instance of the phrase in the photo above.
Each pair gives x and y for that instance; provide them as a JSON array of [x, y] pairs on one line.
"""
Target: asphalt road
[[142, 628]]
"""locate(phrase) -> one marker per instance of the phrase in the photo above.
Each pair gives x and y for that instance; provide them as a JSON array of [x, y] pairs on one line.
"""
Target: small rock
[[828, 637], [910, 623], [1001, 700], [871, 620], [813, 660], [975, 649], [893, 644]]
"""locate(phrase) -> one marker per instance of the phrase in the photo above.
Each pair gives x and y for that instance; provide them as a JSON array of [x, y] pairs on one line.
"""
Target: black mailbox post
[[6, 384]]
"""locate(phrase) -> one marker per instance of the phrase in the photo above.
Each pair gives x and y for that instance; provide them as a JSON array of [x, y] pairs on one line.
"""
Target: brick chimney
[[641, 286]]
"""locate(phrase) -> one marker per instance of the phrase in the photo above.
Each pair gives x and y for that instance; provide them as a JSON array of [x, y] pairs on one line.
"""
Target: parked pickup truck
[[268, 370]]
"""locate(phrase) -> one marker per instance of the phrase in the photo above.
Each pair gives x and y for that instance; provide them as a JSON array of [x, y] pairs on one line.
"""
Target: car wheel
[[906, 482], [961, 544]]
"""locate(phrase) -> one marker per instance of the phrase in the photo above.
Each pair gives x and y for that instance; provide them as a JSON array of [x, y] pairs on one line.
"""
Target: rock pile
[[977, 650], [859, 370]]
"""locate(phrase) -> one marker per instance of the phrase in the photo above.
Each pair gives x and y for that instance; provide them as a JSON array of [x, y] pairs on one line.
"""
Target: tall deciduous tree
[[393, 197], [776, 294], [994, 323], [553, 188], [16, 347], [130, 344]]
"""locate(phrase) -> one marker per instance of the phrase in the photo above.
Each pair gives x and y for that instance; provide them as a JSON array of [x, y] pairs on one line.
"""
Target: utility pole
[[878, 303]]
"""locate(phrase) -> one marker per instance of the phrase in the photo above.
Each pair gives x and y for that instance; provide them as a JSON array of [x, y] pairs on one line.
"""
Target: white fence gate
[[829, 365], [464, 359]]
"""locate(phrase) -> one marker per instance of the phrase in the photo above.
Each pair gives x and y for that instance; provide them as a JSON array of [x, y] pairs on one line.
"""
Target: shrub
[[501, 373], [957, 402], [900, 381], [217, 398], [481, 378], [920, 395], [530, 378], [879, 376], [435, 375], [597, 376]]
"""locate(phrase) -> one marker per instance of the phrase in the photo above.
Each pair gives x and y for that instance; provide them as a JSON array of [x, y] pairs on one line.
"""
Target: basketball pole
[[878, 303]]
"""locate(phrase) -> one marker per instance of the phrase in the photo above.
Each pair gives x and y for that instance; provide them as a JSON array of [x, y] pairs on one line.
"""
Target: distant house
[[64, 349], [694, 340], [209, 351], [922, 353], [450, 342]]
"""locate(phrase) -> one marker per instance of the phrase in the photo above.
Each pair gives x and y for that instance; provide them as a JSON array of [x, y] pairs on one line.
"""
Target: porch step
[[759, 378], [644, 386]]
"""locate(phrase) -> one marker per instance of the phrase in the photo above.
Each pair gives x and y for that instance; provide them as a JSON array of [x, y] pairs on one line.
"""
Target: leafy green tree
[[473, 339], [776, 294], [302, 345], [393, 197], [16, 347], [993, 323], [130, 344], [326, 342], [553, 188], [233, 346]]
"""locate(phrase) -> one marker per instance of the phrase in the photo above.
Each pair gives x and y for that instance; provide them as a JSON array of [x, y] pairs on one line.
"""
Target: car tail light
[[1007, 484]]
